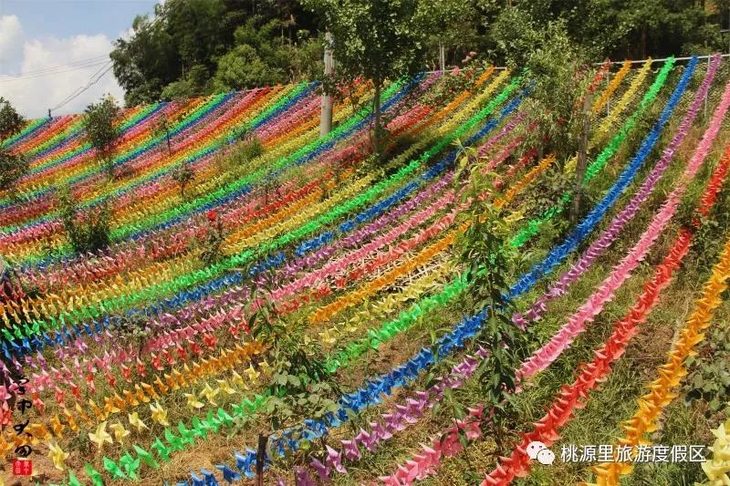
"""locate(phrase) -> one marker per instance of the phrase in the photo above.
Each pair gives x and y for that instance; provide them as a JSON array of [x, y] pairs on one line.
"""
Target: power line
[[92, 81], [59, 70], [98, 58]]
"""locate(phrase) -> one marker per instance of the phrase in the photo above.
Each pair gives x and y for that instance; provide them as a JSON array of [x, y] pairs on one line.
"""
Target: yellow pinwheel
[[226, 387], [58, 456], [135, 421], [100, 436], [238, 380], [265, 366], [327, 338], [159, 414], [252, 374], [209, 394], [193, 401], [120, 433]]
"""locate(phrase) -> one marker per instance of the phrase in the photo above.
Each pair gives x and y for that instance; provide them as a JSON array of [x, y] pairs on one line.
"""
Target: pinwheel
[[113, 468], [94, 475], [100, 436], [130, 466], [159, 414], [146, 457], [136, 422], [193, 402], [58, 456], [209, 394], [120, 433], [228, 474]]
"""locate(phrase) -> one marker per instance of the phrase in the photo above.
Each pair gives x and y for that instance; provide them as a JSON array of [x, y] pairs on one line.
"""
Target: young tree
[[12, 166], [559, 73], [373, 39], [87, 230], [487, 262], [101, 132], [10, 121]]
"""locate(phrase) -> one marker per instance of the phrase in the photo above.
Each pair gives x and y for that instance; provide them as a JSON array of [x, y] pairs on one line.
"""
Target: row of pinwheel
[[155, 191], [216, 322], [681, 89], [130, 392], [206, 199], [29, 128], [137, 160], [237, 261], [424, 463], [348, 350], [67, 157], [157, 185], [616, 142], [69, 146], [573, 397], [218, 319]]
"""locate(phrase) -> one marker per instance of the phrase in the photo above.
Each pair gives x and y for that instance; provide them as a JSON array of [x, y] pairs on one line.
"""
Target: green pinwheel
[[113, 468], [130, 466], [145, 457]]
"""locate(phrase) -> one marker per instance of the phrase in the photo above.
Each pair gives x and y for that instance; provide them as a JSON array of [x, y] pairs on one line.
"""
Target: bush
[[213, 243], [87, 231], [12, 168], [183, 175], [101, 132]]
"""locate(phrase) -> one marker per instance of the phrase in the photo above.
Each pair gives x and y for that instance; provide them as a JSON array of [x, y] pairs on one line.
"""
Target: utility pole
[[325, 120], [442, 57], [580, 169]]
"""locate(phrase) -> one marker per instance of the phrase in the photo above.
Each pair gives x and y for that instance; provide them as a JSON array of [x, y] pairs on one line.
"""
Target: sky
[[50, 49]]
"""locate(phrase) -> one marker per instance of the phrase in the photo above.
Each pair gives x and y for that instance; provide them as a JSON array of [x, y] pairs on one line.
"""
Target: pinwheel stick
[[260, 459]]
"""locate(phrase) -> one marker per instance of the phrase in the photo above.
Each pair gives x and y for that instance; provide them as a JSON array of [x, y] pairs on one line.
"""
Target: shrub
[[12, 168], [87, 231], [101, 132], [183, 175], [213, 243]]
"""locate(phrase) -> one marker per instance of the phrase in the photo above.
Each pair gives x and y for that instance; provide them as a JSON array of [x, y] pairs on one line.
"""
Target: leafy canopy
[[99, 126], [10, 121]]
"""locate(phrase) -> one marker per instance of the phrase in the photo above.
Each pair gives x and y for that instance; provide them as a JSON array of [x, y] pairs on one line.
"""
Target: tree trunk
[[325, 120], [260, 459], [580, 168], [378, 119]]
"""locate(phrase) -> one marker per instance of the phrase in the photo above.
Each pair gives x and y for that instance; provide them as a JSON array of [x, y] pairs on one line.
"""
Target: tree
[[12, 166], [101, 131], [89, 230], [487, 262], [10, 121], [193, 47], [558, 73], [376, 40]]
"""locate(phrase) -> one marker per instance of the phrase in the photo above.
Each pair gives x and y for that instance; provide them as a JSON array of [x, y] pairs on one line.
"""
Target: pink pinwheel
[[322, 471], [350, 450], [380, 431], [334, 460], [394, 422], [303, 478]]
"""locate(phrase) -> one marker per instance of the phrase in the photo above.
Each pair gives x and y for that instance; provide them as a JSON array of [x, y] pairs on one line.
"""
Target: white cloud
[[50, 69], [11, 43]]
